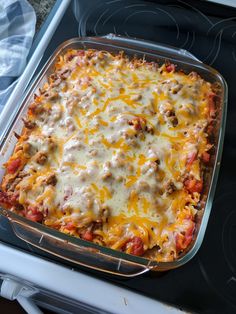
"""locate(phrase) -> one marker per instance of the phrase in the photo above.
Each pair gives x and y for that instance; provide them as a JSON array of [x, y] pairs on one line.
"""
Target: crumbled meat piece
[[56, 82], [118, 161], [22, 174], [212, 105], [169, 113], [176, 88], [29, 124], [93, 152], [51, 179], [41, 158], [11, 185], [157, 161], [51, 144], [170, 187], [100, 55], [138, 123], [149, 167], [130, 168], [136, 97], [42, 91], [83, 175], [120, 179], [51, 95], [17, 136], [36, 108], [150, 129], [174, 121], [65, 74], [143, 186], [153, 165], [107, 175], [105, 212]]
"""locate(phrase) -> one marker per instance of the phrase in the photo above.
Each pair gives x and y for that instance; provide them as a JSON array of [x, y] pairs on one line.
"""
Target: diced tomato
[[13, 198], [193, 185], [170, 67], [136, 244], [34, 214], [191, 157], [70, 226], [80, 53], [183, 240], [8, 200], [206, 157], [13, 165], [70, 57], [4, 199], [87, 235]]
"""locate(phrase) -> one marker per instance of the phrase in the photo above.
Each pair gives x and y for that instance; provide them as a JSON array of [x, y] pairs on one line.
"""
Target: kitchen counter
[[42, 9]]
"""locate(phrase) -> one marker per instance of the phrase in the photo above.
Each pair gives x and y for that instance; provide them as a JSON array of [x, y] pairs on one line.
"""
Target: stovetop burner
[[175, 23], [219, 265], [207, 284]]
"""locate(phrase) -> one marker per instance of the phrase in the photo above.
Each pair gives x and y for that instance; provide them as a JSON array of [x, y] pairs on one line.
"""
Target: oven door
[[34, 281]]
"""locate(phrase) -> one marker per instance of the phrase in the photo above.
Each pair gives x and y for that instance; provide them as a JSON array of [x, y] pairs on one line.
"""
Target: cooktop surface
[[207, 284]]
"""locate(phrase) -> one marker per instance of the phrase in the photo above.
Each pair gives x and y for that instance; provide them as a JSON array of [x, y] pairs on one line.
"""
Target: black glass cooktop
[[207, 284]]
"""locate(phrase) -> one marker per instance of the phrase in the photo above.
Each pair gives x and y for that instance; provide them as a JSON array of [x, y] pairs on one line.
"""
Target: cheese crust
[[113, 151]]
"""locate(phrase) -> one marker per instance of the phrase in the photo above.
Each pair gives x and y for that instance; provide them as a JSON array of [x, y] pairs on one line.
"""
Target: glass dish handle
[[152, 45], [87, 256]]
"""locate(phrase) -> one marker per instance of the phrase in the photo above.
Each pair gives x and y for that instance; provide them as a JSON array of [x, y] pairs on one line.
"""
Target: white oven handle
[[28, 305], [13, 290]]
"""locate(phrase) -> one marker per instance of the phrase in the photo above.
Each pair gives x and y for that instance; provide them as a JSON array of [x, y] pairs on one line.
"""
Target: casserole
[[118, 262]]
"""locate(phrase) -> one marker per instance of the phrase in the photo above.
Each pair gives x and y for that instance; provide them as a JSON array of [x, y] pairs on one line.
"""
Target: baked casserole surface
[[114, 151]]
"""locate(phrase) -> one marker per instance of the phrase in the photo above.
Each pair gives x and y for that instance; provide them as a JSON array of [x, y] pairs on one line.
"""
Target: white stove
[[33, 279]]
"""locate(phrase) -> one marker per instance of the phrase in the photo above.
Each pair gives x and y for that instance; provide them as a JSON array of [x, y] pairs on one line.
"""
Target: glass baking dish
[[89, 254]]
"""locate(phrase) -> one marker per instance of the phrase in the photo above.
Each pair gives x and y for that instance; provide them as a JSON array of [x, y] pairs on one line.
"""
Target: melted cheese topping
[[117, 136]]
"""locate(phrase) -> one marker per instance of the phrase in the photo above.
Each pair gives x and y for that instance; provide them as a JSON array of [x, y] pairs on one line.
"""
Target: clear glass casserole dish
[[89, 254]]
